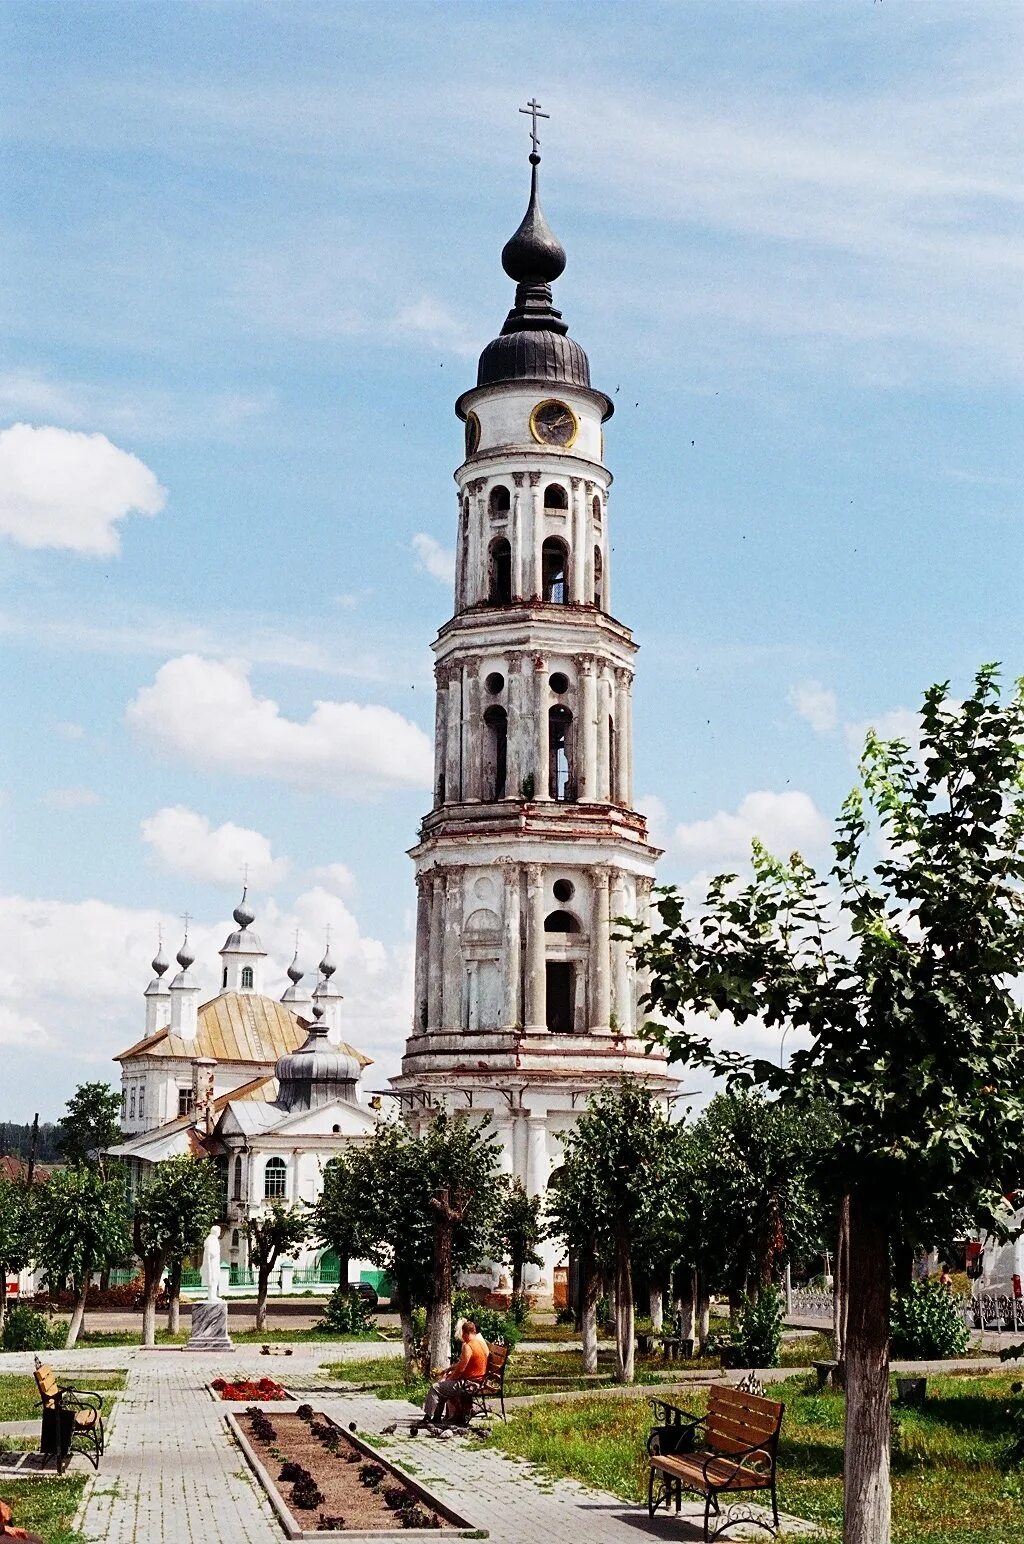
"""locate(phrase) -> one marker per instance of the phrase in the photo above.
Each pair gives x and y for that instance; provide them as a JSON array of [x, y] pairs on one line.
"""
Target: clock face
[[472, 434], [554, 423]]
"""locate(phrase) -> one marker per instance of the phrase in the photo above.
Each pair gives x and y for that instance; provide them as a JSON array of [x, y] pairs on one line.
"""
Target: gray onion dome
[[317, 1073]]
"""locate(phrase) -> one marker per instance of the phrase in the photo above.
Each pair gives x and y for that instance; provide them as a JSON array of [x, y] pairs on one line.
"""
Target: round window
[[495, 683], [564, 889], [558, 682]]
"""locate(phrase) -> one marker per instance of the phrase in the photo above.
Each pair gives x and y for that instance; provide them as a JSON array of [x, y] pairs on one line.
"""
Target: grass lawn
[[46, 1507], [950, 1485], [19, 1397], [241, 1337]]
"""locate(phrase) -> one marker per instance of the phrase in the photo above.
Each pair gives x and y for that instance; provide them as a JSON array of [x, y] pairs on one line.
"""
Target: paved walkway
[[171, 1474]]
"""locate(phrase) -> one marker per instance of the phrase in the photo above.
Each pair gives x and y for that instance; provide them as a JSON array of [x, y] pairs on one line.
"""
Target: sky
[[250, 255]]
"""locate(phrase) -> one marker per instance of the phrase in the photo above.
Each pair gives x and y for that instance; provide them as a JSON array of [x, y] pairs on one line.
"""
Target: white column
[[472, 737], [536, 993], [536, 1152], [440, 747], [621, 699], [540, 723], [620, 957], [590, 537], [453, 720], [475, 582], [579, 544], [520, 547], [601, 726], [421, 988], [627, 742], [586, 774], [642, 979], [451, 950], [536, 537], [517, 750], [460, 560], [435, 978], [295, 1176], [600, 963], [512, 957], [504, 1134], [606, 565]]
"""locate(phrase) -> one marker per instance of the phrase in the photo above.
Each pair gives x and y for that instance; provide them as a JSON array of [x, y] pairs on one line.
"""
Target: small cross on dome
[[532, 111]]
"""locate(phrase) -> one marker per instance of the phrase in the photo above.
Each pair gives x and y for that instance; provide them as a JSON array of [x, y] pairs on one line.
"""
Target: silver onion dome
[[317, 1073]]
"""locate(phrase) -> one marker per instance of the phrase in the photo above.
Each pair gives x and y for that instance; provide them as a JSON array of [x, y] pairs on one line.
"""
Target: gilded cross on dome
[[532, 110]]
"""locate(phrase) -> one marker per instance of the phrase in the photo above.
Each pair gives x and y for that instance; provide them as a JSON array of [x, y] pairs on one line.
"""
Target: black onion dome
[[533, 356], [534, 252]]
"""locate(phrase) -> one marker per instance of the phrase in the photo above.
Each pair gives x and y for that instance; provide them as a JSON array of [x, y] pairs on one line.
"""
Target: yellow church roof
[[235, 1026]]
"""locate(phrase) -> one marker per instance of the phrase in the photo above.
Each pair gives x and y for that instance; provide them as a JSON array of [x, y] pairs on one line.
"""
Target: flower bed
[[324, 1481], [245, 1390]]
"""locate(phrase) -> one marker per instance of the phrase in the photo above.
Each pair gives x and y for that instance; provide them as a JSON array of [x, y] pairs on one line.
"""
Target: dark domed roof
[[534, 252], [540, 355]]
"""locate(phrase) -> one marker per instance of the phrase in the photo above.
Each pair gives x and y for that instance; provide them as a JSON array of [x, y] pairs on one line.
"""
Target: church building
[[525, 997]]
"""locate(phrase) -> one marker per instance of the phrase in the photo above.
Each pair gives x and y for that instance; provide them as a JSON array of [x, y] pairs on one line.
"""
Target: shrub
[[758, 1336], [519, 1311], [345, 1313], [566, 1315], [491, 1322], [27, 1330], [927, 1323]]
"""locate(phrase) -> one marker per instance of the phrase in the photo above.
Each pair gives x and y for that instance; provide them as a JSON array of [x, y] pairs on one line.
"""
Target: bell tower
[[524, 999]]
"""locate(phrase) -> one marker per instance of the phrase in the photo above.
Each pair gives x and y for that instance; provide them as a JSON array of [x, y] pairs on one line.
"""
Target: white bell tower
[[524, 1000]]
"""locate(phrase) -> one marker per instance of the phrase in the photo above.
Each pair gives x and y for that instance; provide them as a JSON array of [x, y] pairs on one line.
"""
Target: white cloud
[[186, 843], [435, 560], [59, 488], [429, 321], [655, 813], [339, 876], [20, 1029], [70, 731], [816, 704], [206, 712], [69, 798], [138, 411], [784, 822], [897, 724]]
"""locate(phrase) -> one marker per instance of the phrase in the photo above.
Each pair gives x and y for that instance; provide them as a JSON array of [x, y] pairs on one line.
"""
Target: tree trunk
[[409, 1348], [517, 1277], [590, 1284], [78, 1317], [657, 1308], [625, 1344], [439, 1335], [174, 1299], [867, 1502], [840, 1284], [703, 1312], [262, 1290], [439, 1313], [3, 1296], [687, 1303]]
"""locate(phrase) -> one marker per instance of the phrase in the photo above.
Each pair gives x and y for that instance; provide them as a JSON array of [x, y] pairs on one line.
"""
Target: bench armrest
[[739, 1461], [675, 1436], [81, 1399]]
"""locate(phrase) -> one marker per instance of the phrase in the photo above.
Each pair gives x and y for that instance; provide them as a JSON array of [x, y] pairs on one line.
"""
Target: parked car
[[364, 1290]]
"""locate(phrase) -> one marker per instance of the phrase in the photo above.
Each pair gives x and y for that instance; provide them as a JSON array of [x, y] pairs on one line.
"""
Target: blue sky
[[255, 247]]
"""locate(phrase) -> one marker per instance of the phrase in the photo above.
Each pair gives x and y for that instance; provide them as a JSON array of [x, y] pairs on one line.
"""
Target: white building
[[267, 1088], [525, 1002]]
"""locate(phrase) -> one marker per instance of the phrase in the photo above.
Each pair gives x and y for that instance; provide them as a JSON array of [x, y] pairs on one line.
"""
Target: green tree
[[573, 1205], [339, 1211], [175, 1206], [90, 1124], [625, 1138], [81, 1226], [278, 1231], [899, 975], [15, 1234], [519, 1229]]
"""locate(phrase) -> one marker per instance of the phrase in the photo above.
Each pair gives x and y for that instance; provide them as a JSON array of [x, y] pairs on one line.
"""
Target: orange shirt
[[473, 1361]]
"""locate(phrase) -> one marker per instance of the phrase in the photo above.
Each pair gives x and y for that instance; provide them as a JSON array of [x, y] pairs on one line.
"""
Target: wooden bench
[[492, 1384], [730, 1451], [80, 1409]]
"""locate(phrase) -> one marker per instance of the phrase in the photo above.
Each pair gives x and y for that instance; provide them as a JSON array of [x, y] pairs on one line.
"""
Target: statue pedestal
[[209, 1327]]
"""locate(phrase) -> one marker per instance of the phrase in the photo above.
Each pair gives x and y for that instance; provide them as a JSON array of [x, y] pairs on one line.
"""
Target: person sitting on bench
[[445, 1397]]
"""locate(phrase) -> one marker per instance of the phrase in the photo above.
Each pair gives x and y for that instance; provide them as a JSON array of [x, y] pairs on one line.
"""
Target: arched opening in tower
[[554, 571], [499, 584], [598, 577], [561, 779], [560, 1004], [495, 752]]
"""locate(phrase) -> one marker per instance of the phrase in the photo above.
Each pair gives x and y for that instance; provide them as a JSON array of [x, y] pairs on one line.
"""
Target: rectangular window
[[131, 1104], [186, 1101], [142, 1100]]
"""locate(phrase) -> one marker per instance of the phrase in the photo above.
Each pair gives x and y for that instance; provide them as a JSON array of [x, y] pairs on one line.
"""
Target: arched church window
[[246, 976], [561, 922], [561, 779], [500, 500], [237, 1187], [224, 978], [554, 571], [275, 1180], [495, 752], [555, 497], [596, 510], [598, 577], [499, 584]]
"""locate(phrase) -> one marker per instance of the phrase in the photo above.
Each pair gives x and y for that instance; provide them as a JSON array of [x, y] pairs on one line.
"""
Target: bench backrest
[[46, 1383], [738, 1421], [496, 1359]]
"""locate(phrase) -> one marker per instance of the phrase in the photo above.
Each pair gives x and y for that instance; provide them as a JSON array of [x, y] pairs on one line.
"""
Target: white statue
[[211, 1265]]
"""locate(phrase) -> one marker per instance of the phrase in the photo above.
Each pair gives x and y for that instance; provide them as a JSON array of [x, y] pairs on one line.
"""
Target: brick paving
[[171, 1474]]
